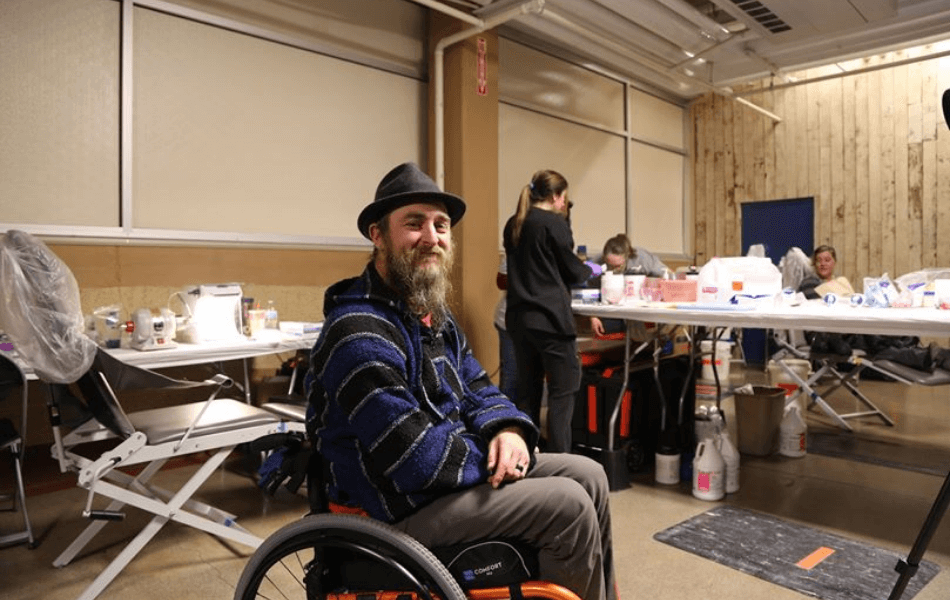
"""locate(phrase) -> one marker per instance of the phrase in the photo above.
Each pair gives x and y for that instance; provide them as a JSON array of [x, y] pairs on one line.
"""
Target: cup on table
[[256, 319]]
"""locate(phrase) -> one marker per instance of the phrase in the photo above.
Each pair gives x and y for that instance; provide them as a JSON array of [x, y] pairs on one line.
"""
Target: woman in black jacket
[[542, 267]]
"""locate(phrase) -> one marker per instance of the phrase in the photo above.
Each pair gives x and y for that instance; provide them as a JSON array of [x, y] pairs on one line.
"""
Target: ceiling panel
[[687, 47]]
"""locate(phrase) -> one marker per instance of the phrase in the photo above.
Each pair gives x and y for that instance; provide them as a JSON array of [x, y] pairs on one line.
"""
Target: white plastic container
[[793, 433], [779, 377], [611, 288], [730, 457], [723, 355], [632, 285], [709, 472], [756, 278], [667, 469], [707, 286]]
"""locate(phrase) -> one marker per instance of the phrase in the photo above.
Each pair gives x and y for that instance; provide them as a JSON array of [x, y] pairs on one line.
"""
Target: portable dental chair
[[40, 311], [792, 344]]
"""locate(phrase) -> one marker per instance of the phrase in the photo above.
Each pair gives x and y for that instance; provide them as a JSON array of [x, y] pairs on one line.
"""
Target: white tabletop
[[812, 316], [182, 354], [193, 354]]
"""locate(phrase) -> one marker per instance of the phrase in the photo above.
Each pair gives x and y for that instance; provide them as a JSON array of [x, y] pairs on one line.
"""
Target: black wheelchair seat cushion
[[490, 563]]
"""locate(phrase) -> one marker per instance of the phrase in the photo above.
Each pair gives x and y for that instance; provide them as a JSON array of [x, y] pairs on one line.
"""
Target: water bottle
[[270, 316], [708, 472], [793, 432]]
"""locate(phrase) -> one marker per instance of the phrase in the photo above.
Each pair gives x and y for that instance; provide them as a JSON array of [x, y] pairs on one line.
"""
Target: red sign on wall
[[482, 67]]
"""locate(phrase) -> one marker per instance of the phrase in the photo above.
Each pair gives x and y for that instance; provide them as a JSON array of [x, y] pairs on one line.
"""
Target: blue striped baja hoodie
[[401, 413]]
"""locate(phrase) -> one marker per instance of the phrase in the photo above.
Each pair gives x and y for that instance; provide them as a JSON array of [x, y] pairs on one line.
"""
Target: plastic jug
[[730, 456], [708, 472], [793, 433], [707, 287]]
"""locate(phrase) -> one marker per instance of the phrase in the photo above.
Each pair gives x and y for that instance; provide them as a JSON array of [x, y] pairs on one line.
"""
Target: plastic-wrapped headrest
[[795, 267], [40, 309]]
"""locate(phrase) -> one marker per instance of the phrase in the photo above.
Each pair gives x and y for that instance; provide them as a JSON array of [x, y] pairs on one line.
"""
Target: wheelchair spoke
[[328, 556]]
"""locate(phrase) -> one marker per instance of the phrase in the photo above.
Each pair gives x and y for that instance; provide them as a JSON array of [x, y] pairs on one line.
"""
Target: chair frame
[[17, 447], [847, 381], [101, 475]]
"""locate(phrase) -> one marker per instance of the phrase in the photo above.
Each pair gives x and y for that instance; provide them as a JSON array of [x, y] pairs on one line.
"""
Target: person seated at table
[[620, 256], [823, 260]]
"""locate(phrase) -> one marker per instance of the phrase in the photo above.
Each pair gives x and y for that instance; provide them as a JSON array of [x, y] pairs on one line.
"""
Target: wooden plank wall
[[872, 148]]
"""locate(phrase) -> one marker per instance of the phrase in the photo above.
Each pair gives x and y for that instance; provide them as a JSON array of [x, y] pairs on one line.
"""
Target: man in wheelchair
[[412, 430]]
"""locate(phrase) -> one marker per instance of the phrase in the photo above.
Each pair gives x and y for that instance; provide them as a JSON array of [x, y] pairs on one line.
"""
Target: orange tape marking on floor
[[812, 560]]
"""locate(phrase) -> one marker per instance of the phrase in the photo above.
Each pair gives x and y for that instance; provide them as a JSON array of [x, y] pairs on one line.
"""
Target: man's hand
[[597, 326], [508, 457]]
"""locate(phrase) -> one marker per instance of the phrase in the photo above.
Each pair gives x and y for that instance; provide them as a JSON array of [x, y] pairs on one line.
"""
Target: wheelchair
[[336, 556]]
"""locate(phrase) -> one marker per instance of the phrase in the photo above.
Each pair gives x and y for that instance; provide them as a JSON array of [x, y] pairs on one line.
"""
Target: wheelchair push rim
[[282, 566]]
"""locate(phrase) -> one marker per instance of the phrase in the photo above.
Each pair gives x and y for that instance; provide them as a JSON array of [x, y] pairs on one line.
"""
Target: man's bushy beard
[[425, 291]]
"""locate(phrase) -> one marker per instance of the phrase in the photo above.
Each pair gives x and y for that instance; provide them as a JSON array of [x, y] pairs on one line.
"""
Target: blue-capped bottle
[[270, 316]]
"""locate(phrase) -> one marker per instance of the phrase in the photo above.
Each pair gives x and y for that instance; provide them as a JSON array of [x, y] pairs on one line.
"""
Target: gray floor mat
[[779, 551]]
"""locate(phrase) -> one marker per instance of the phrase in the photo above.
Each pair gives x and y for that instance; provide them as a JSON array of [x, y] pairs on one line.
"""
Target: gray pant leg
[[562, 508]]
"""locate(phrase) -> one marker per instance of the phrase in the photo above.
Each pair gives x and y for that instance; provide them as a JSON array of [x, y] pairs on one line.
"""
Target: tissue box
[[678, 290], [299, 328], [586, 295]]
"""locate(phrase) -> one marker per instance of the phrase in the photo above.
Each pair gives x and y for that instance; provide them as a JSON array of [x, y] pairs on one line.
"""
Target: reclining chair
[[828, 367], [11, 378], [40, 312], [795, 266]]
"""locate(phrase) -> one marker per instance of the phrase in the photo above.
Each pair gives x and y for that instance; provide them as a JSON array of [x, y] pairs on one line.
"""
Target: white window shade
[[591, 160], [656, 217]]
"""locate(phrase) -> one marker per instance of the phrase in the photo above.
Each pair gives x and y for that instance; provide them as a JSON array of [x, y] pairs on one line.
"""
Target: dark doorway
[[778, 225]]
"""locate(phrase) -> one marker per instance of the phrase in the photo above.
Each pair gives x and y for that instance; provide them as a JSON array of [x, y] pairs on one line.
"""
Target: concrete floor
[[880, 505]]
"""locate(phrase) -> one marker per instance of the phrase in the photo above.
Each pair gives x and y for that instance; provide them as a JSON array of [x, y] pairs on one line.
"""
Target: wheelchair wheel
[[299, 560]]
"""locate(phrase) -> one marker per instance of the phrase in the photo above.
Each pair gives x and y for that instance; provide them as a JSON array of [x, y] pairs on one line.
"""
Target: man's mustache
[[420, 254]]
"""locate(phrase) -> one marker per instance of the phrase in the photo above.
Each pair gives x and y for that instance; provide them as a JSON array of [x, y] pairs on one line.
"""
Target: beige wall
[[471, 171], [139, 276], [872, 148]]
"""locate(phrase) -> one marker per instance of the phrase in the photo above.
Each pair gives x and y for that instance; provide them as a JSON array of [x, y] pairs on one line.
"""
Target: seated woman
[[620, 256], [824, 260]]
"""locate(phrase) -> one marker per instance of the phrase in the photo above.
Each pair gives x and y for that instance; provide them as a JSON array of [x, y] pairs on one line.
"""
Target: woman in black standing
[[542, 267]]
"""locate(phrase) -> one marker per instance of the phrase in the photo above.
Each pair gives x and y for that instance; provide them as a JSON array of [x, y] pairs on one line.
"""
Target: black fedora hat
[[946, 106], [404, 185]]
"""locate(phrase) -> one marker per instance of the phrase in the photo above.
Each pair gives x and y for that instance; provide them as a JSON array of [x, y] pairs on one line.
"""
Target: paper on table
[[840, 286]]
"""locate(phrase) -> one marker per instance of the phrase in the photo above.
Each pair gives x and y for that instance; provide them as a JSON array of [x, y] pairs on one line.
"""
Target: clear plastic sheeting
[[914, 279], [40, 309], [795, 267]]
